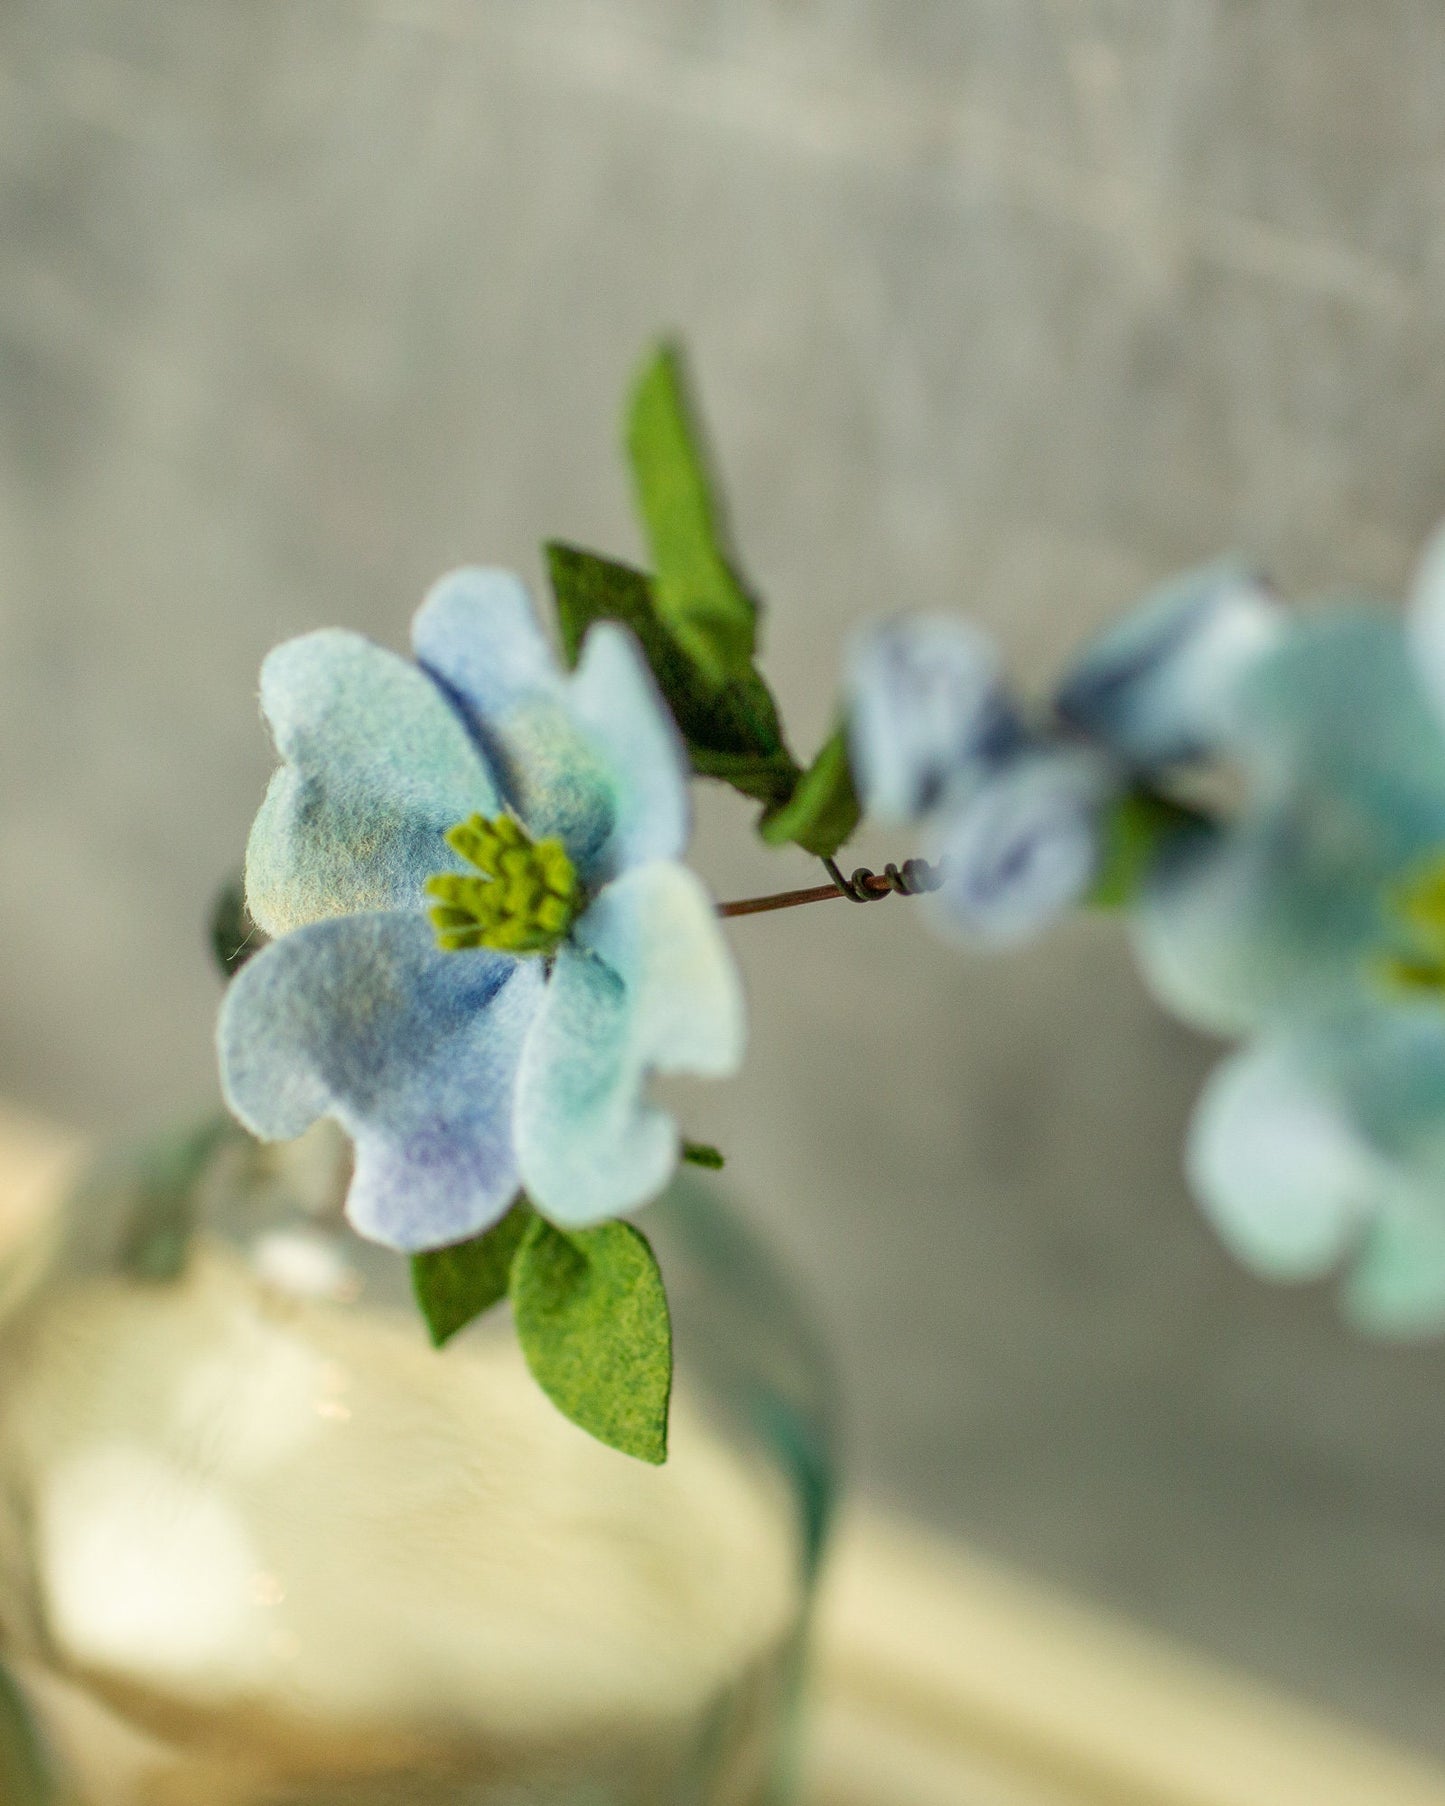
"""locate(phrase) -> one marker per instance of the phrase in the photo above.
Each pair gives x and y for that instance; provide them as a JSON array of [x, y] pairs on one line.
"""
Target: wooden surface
[[943, 1679]]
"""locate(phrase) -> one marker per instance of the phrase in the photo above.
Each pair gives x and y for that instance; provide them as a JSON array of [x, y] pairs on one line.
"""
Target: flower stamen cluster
[[524, 900]]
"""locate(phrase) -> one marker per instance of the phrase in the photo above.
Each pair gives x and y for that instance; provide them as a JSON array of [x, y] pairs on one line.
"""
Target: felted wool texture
[[592, 759], [356, 1013], [376, 767], [646, 985], [413, 1050]]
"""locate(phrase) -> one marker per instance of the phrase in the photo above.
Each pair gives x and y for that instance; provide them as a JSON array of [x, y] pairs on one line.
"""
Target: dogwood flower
[[484, 940], [1313, 923]]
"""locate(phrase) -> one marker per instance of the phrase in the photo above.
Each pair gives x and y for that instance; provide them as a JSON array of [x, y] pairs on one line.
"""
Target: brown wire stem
[[908, 880]]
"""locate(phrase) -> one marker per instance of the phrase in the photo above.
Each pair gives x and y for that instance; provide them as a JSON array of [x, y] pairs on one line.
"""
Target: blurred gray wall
[[1009, 305]]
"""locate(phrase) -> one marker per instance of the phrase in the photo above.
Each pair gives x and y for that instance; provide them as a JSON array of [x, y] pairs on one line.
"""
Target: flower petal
[[1281, 912], [646, 985], [477, 634], [377, 767], [414, 1051], [1158, 687], [928, 713], [1397, 1285], [1023, 848], [1280, 1169], [615, 701]]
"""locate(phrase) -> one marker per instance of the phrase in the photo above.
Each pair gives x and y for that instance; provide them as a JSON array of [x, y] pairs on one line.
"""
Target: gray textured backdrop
[[1006, 304]]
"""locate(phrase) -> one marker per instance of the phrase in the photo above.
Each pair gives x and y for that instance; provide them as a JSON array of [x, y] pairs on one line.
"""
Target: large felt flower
[[484, 942]]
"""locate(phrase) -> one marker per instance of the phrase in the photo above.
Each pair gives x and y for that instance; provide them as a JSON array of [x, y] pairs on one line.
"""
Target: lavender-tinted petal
[[1024, 848], [412, 1050], [1159, 687], [928, 713]]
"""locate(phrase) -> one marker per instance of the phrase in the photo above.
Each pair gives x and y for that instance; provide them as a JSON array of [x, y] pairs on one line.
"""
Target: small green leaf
[[1136, 827], [24, 1772], [702, 1153], [593, 1323], [823, 810], [234, 936], [731, 731], [455, 1284], [699, 594]]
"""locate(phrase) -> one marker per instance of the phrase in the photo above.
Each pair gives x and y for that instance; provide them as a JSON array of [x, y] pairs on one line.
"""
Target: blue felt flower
[[1015, 818], [1312, 921], [1324, 1146], [1283, 912], [1159, 688], [464, 1075]]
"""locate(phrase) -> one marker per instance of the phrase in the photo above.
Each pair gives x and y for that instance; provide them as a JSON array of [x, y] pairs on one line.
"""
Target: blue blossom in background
[[934, 738], [1313, 922], [463, 1075], [1158, 689]]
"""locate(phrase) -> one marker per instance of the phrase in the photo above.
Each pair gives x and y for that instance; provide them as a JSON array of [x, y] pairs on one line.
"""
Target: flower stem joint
[[523, 898]]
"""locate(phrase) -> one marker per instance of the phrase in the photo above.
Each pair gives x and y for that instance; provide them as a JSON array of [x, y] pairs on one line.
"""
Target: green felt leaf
[[234, 936], [1136, 828], [699, 594], [702, 1153], [823, 810], [593, 1322], [24, 1773], [455, 1284], [731, 730]]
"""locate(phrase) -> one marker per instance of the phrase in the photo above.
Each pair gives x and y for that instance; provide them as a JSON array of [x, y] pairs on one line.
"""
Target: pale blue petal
[[1281, 913], [615, 702], [377, 767], [1160, 686], [1328, 1145], [412, 1050], [594, 758], [1284, 1174], [646, 985], [1024, 848], [478, 636], [927, 713], [1397, 1284]]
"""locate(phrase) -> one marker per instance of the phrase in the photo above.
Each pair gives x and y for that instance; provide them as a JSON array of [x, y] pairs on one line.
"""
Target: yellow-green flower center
[[1418, 906], [524, 899]]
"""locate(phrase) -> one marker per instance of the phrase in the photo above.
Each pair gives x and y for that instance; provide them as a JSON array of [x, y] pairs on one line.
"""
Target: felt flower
[[484, 942], [1323, 1146], [1313, 923], [1015, 818]]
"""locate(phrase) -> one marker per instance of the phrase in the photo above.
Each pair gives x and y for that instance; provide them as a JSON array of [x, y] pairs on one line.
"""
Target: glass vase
[[262, 1545]]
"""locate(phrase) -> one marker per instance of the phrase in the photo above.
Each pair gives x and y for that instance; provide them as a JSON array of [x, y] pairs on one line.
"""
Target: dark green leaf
[[234, 936], [731, 731], [1136, 828], [702, 1153], [24, 1773], [592, 1318], [699, 595], [823, 810], [457, 1283]]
